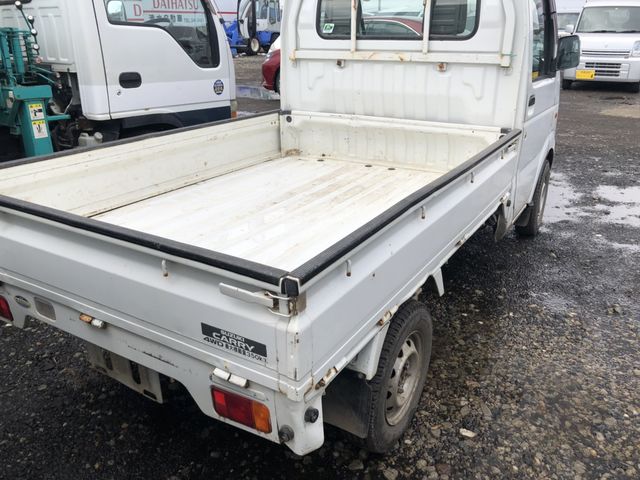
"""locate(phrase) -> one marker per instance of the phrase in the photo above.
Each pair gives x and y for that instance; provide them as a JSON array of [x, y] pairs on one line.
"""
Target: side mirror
[[569, 28], [115, 11], [568, 52]]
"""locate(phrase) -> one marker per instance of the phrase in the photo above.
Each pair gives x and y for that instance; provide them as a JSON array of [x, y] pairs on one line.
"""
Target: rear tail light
[[242, 410], [5, 311], [234, 108]]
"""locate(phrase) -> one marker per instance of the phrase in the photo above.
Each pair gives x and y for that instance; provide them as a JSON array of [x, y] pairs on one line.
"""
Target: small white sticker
[[36, 111], [40, 129], [328, 27]]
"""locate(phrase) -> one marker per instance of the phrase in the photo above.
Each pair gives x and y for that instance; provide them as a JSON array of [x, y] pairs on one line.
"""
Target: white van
[[609, 34], [128, 66]]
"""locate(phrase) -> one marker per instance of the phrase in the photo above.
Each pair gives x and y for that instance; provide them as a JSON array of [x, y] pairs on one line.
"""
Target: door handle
[[532, 100], [130, 79]]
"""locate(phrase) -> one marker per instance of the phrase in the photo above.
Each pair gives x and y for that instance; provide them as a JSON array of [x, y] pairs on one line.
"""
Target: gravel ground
[[249, 73], [536, 356]]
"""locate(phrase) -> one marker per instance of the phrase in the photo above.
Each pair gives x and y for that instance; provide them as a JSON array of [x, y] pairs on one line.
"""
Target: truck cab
[[609, 33], [130, 66]]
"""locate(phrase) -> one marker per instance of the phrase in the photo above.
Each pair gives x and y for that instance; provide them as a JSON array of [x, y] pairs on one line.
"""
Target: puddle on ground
[[560, 201], [627, 111], [626, 208], [622, 204], [624, 246], [622, 207]]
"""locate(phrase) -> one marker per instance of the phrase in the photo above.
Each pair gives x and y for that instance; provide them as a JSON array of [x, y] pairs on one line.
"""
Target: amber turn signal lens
[[241, 409]]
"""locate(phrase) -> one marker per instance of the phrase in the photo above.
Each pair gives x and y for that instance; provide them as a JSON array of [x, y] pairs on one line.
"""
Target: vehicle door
[[267, 15], [542, 101], [163, 57]]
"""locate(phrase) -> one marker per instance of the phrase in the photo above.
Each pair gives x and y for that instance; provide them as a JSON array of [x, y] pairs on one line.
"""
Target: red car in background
[[271, 71], [271, 68], [386, 27]]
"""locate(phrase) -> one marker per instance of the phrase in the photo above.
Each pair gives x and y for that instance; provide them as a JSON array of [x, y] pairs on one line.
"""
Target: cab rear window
[[398, 19]]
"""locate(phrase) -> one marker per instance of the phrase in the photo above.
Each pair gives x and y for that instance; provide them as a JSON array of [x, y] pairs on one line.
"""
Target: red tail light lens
[[5, 311], [242, 410]]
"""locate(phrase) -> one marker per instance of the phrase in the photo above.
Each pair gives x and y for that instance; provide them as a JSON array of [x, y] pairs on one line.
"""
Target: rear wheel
[[538, 204], [276, 82], [566, 84], [401, 375], [253, 46]]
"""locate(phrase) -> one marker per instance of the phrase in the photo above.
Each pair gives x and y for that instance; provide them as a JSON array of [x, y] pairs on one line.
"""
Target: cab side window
[[543, 40], [188, 22]]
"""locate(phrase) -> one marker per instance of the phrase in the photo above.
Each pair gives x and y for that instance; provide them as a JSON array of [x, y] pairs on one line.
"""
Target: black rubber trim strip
[[219, 260], [274, 276], [25, 161], [325, 259]]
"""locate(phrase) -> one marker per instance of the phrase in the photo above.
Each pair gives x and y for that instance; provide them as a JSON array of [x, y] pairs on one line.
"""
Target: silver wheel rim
[[405, 376], [543, 200], [255, 45]]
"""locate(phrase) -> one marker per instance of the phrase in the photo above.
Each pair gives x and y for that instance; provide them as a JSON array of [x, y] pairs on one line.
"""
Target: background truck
[[278, 279], [251, 25], [122, 67]]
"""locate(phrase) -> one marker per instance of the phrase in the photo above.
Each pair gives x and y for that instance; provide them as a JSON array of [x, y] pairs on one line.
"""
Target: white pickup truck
[[277, 278]]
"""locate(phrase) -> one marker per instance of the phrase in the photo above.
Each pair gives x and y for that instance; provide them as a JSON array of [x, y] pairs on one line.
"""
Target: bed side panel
[[98, 180], [366, 286]]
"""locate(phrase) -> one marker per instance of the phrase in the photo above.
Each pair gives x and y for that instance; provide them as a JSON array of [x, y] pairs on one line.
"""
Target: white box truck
[[130, 66], [276, 279]]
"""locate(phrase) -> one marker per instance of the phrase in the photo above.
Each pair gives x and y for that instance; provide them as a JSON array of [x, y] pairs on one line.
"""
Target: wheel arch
[[551, 156]]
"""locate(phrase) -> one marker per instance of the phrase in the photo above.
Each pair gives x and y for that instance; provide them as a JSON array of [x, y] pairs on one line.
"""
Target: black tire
[[634, 87], [276, 82], [410, 325], [566, 84], [538, 204]]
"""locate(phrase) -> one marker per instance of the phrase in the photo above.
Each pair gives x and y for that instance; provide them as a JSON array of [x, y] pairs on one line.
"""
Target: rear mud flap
[[347, 404]]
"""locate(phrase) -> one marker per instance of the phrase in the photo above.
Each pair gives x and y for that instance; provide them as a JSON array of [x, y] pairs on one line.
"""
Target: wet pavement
[[536, 353]]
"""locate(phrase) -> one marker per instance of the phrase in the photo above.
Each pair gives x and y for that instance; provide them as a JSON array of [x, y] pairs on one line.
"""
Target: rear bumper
[[608, 69]]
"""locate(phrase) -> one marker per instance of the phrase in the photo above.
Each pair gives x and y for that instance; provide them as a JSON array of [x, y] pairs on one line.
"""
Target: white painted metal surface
[[94, 181], [278, 190], [280, 213], [52, 22]]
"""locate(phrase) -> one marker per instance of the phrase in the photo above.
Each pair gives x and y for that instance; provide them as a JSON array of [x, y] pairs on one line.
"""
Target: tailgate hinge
[[276, 304]]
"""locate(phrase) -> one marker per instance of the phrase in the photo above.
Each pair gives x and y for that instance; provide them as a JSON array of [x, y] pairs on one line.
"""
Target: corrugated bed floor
[[279, 213]]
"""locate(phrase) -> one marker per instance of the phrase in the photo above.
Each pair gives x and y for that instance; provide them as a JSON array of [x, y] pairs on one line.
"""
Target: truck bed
[[267, 192], [280, 213]]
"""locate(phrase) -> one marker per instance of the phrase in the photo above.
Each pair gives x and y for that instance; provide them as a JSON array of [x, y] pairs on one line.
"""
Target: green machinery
[[25, 88]]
